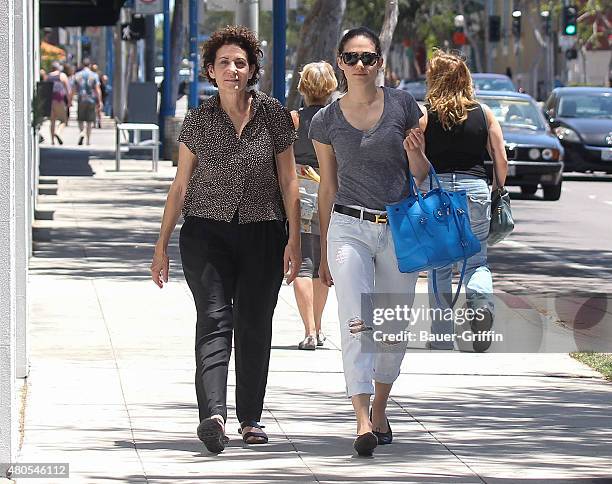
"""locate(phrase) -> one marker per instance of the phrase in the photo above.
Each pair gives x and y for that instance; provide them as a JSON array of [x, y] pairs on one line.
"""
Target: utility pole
[[279, 48], [166, 109], [193, 54], [487, 39], [149, 69], [247, 14]]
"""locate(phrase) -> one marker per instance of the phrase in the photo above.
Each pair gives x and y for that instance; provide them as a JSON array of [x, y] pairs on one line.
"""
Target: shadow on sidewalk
[[64, 162]]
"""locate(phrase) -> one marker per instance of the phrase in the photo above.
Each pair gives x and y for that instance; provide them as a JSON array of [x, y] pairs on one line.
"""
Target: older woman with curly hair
[[236, 186]]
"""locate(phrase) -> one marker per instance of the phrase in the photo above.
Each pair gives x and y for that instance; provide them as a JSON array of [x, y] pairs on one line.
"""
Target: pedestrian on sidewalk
[[61, 91], [236, 186], [69, 71], [361, 141], [317, 82], [87, 88], [457, 132]]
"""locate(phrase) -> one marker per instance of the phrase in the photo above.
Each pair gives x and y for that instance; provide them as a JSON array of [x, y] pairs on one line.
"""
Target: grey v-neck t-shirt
[[372, 165]]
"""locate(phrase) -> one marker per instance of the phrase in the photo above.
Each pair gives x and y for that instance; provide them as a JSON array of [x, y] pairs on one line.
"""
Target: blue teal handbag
[[432, 230]]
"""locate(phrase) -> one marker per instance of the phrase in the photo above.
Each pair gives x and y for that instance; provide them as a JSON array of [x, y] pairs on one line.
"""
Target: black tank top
[[303, 148], [462, 148]]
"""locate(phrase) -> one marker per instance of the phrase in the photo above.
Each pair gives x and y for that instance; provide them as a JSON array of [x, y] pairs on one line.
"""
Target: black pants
[[234, 272]]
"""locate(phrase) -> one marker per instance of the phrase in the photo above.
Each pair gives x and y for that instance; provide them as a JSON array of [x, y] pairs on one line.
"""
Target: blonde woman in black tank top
[[458, 131], [317, 83]]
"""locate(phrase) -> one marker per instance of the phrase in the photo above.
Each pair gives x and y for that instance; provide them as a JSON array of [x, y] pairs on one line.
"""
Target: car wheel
[[529, 189], [552, 192]]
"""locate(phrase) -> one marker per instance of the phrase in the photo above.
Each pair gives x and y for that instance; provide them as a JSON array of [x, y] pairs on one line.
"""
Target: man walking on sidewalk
[[87, 88]]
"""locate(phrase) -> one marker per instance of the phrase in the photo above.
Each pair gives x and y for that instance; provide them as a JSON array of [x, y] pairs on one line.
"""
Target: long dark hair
[[351, 34]]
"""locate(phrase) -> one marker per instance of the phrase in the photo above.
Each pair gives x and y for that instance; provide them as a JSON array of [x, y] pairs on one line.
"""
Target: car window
[[417, 88], [596, 105], [493, 84], [519, 113]]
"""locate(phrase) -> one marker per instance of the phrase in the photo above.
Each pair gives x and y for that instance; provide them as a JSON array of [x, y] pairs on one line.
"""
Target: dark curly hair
[[236, 35]]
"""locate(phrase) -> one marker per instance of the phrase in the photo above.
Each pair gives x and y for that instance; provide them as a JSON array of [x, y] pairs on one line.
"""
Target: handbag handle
[[432, 173], [461, 277], [490, 149]]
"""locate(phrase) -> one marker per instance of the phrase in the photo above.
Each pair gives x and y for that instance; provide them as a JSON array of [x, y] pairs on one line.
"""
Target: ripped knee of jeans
[[357, 325]]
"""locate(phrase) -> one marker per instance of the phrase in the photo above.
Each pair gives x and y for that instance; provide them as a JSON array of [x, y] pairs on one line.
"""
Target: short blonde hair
[[317, 80]]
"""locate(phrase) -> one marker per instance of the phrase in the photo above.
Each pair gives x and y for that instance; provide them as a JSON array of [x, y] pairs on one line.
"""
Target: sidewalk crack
[[118, 370], [405, 410], [292, 445]]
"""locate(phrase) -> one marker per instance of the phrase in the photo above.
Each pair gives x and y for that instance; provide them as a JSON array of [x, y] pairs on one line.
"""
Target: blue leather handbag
[[432, 230]]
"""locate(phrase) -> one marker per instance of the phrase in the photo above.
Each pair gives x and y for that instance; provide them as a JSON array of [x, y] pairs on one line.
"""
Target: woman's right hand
[[325, 274], [159, 268]]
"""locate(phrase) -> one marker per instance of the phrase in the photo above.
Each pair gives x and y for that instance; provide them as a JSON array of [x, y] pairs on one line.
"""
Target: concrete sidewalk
[[111, 384]]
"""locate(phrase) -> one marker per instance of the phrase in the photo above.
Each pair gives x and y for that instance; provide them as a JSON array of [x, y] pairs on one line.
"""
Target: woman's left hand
[[292, 260]]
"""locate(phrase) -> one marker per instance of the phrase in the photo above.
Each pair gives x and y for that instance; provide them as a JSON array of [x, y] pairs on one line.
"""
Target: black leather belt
[[377, 218]]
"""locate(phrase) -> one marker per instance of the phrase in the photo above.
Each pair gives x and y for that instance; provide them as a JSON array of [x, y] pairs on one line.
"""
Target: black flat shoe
[[365, 444], [384, 438], [211, 433]]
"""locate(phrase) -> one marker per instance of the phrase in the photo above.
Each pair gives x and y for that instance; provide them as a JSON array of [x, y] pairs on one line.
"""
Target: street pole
[[193, 54], [150, 48], [247, 14], [80, 47], [109, 57], [487, 40], [279, 47], [166, 108]]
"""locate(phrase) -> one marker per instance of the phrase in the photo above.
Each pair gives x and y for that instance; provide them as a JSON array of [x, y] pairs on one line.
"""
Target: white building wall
[[22, 181], [8, 238], [18, 156]]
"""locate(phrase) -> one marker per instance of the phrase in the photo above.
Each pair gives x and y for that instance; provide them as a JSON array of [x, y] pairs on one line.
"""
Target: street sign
[[566, 42], [230, 5], [148, 7], [135, 30]]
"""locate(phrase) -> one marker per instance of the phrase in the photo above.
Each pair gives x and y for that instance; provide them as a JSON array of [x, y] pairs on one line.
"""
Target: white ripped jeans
[[362, 261]]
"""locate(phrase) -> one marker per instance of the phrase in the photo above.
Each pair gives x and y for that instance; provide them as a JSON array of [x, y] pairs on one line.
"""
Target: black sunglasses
[[366, 58]]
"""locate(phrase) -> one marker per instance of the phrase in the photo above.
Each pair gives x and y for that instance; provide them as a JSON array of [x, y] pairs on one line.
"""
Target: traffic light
[[570, 19], [494, 28], [516, 23]]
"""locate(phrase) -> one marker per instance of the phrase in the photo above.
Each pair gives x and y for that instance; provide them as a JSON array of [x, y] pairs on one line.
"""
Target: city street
[[563, 245], [111, 383]]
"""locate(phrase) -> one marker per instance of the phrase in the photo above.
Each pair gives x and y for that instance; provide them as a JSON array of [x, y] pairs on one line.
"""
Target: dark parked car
[[416, 87], [535, 155], [485, 81], [582, 119]]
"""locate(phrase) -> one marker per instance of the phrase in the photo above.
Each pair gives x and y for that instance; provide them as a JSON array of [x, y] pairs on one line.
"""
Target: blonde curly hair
[[450, 90], [317, 81]]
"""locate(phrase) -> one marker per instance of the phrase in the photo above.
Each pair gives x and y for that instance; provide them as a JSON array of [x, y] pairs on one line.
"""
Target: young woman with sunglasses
[[361, 141]]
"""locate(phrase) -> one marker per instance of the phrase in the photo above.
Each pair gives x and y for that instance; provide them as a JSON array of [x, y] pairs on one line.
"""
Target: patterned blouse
[[236, 174]]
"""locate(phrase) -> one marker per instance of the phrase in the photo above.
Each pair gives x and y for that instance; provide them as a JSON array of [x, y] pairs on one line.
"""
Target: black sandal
[[260, 437]]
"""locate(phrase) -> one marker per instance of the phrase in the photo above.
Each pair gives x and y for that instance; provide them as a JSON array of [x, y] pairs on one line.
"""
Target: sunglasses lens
[[350, 58], [368, 58]]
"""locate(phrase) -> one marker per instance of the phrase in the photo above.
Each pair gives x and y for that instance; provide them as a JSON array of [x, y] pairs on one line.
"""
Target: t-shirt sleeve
[[281, 126], [318, 130], [412, 111], [188, 131]]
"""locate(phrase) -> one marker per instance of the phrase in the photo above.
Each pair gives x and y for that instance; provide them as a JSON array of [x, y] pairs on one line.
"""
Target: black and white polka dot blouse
[[236, 174]]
